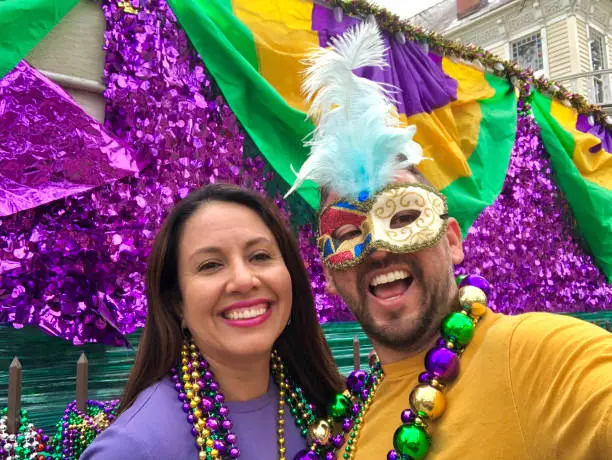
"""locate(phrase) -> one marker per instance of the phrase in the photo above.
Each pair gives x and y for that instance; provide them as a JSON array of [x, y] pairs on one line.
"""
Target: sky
[[406, 8]]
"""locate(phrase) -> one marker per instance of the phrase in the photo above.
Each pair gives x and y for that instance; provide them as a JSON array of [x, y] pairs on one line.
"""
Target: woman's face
[[235, 287]]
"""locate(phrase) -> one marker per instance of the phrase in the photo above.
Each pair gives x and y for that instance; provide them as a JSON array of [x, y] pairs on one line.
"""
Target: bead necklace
[[281, 413], [203, 402], [376, 377], [77, 429], [412, 440], [28, 443]]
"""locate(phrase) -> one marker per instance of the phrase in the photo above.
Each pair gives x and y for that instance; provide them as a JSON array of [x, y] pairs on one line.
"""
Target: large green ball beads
[[340, 407], [458, 328], [412, 441]]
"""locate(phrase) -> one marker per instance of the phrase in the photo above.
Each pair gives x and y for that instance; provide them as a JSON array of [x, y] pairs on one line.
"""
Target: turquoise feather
[[355, 146]]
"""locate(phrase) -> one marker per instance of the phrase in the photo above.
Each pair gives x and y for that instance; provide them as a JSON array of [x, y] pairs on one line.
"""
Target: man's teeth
[[389, 277], [246, 313]]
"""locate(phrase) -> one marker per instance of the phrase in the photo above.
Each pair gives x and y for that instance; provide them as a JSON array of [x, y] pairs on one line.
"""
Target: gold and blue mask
[[401, 218]]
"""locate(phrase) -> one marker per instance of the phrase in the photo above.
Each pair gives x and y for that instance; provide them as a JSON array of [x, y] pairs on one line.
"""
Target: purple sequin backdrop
[[526, 245], [80, 275]]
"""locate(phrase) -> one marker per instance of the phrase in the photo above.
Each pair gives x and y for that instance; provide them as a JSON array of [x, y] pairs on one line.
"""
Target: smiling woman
[[232, 350], [235, 289]]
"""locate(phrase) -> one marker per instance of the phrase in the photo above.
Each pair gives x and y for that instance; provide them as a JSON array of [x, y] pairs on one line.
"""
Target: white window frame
[[606, 60], [606, 81], [536, 29]]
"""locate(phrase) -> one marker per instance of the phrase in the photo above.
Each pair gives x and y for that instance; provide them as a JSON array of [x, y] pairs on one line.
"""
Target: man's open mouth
[[390, 285]]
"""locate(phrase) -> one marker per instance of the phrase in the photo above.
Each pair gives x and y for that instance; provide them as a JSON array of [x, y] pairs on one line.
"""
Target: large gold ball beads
[[427, 401], [471, 294], [320, 432]]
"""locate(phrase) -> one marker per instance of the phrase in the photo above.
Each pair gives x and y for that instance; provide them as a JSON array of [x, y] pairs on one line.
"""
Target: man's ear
[[331, 286], [453, 236]]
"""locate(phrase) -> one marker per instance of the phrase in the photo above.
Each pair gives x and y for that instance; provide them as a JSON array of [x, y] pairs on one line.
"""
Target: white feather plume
[[358, 138]]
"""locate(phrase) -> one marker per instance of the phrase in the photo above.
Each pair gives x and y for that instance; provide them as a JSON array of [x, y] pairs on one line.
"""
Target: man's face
[[400, 299]]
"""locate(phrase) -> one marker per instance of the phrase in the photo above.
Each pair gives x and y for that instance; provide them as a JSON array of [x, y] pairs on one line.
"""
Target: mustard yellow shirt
[[535, 386]]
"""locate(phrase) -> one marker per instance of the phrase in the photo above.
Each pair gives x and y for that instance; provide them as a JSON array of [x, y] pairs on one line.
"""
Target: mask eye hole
[[404, 218], [346, 232]]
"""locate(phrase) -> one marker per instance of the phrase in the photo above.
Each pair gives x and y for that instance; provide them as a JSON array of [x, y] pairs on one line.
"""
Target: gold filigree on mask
[[425, 227]]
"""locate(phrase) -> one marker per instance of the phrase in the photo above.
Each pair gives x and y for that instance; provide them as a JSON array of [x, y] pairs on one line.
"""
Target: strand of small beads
[[203, 402], [29, 443], [346, 410], [362, 387], [299, 408], [412, 440], [206, 412], [319, 432], [77, 430], [283, 390]]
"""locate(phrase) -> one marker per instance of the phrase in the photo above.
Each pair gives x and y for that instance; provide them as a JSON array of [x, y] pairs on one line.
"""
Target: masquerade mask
[[401, 218]]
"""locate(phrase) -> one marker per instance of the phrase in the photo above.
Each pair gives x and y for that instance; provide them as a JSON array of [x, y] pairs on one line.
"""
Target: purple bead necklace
[[204, 404]]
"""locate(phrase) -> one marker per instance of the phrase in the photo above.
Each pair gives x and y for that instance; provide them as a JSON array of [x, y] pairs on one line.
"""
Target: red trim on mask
[[339, 257], [334, 218]]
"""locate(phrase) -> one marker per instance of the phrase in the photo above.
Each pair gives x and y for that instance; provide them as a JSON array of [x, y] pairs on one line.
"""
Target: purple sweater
[[156, 428]]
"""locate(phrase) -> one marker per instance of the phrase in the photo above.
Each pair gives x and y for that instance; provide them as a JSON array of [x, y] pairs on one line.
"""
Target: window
[[527, 52], [598, 49], [597, 44]]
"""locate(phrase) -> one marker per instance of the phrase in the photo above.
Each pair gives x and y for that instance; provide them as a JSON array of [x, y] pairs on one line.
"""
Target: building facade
[[568, 41]]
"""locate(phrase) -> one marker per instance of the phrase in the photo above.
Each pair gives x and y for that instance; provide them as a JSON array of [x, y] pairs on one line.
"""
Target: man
[[535, 386]]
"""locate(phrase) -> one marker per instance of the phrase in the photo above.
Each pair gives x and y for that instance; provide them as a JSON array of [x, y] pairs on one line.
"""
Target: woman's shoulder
[[149, 429], [155, 404]]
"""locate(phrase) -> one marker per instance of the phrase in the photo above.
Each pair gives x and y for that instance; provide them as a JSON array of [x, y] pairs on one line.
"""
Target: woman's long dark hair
[[302, 344]]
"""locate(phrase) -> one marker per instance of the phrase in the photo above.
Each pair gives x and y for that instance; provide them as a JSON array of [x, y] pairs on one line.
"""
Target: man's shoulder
[[537, 325], [559, 369], [550, 336]]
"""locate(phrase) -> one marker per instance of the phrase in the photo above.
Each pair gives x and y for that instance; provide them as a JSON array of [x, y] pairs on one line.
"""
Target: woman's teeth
[[246, 313]]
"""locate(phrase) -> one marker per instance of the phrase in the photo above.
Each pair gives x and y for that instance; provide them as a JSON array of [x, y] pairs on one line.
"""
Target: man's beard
[[395, 334]]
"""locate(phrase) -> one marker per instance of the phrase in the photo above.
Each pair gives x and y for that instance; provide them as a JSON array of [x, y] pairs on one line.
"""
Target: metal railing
[[596, 86]]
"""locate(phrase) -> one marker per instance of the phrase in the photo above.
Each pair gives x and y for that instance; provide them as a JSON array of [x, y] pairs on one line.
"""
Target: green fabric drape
[[591, 203], [469, 196], [228, 50]]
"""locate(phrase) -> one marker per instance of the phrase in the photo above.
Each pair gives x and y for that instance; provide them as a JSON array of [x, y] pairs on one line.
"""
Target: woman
[[232, 356]]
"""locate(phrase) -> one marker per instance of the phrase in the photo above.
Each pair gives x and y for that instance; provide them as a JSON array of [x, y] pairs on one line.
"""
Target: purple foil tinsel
[[81, 260], [50, 148]]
